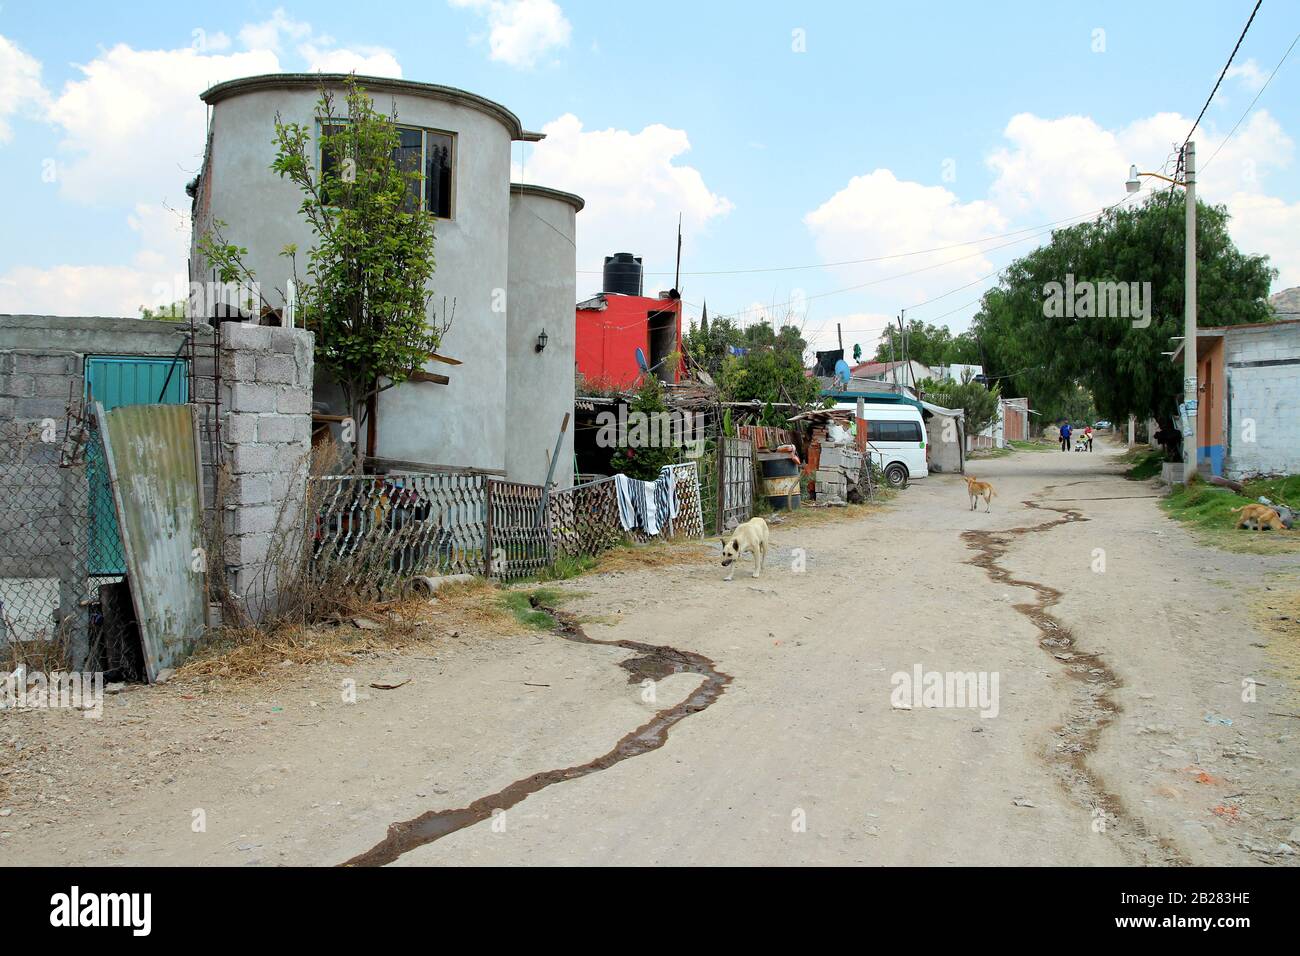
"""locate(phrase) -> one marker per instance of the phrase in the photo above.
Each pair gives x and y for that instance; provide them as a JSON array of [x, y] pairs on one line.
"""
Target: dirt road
[[1114, 651]]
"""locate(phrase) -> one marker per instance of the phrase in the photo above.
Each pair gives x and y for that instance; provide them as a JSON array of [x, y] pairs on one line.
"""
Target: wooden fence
[[735, 483]]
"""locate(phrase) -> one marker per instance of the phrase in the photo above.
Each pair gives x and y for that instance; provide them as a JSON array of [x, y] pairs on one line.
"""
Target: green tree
[[1118, 360], [709, 343], [978, 404], [173, 312], [927, 344], [643, 463], [772, 376], [365, 292]]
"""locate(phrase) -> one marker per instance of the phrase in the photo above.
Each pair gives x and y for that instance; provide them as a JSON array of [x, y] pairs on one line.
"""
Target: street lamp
[[1189, 299]]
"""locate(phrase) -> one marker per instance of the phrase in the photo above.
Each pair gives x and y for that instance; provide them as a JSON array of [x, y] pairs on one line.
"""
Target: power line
[[1258, 4], [966, 285], [851, 262], [1243, 116], [897, 275]]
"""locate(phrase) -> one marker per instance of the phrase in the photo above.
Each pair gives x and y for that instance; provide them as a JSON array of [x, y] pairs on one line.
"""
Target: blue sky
[[784, 134]]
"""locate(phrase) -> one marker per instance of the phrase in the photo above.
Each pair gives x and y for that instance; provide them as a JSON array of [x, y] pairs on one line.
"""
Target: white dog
[[750, 536]]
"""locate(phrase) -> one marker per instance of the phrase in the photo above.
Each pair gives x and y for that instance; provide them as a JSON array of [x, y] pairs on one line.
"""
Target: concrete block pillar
[[266, 383]]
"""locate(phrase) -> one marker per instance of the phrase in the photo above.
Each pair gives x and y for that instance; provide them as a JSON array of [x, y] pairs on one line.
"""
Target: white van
[[897, 440]]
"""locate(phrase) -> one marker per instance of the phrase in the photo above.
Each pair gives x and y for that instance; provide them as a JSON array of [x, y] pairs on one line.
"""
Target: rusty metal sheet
[[153, 467]]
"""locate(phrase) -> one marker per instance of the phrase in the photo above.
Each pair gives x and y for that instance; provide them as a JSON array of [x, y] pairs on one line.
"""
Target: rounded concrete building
[[505, 261]]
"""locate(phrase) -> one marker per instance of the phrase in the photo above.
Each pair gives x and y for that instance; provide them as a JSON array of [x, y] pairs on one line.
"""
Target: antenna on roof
[[677, 274]]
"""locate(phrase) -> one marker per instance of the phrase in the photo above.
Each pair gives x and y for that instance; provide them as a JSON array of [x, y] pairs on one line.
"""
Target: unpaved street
[[1119, 647]]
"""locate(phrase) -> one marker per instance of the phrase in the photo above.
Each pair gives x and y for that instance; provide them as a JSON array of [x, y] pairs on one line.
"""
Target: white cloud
[[1049, 169], [133, 133], [881, 215], [134, 125], [1249, 73], [1056, 168], [155, 275], [1267, 225], [364, 61], [320, 51], [1069, 166], [633, 188], [520, 32], [271, 33], [21, 90]]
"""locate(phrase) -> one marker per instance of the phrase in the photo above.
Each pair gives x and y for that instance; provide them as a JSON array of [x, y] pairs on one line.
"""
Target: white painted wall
[[541, 294], [463, 423], [1267, 395]]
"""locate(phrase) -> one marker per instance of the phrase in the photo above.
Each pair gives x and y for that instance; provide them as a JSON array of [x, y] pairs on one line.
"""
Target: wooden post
[[487, 528], [74, 535], [719, 514]]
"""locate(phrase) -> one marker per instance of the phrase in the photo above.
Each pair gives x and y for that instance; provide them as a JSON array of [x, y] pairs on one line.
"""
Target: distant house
[[956, 373], [1248, 409], [505, 260], [613, 324], [900, 374], [1015, 419]]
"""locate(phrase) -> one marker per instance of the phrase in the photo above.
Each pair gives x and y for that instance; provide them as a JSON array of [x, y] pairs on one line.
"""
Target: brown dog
[[979, 489], [1262, 515]]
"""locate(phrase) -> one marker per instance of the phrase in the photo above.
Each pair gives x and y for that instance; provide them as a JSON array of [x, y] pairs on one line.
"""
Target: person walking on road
[[1087, 437], [1065, 437]]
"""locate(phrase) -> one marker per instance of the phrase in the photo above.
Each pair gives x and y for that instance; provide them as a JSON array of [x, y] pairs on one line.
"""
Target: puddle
[[652, 662], [1094, 708]]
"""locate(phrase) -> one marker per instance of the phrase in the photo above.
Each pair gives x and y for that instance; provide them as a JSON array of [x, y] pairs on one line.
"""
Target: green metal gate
[[115, 381]]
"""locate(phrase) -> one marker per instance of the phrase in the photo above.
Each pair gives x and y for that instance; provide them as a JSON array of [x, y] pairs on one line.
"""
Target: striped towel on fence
[[649, 505], [625, 495], [666, 496]]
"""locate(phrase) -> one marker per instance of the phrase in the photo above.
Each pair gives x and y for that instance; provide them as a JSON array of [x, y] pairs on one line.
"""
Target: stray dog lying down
[[752, 537]]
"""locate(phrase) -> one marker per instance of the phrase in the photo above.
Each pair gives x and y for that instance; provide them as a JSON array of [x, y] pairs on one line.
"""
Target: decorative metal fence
[[518, 540], [584, 518], [398, 526], [736, 483], [690, 517]]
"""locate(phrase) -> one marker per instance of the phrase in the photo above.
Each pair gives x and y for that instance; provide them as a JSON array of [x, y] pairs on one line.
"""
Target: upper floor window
[[428, 153]]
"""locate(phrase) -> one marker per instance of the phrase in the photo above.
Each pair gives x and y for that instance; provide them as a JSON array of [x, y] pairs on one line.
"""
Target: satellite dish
[[705, 377], [640, 360]]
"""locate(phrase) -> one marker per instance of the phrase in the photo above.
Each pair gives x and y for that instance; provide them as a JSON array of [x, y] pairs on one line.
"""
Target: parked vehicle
[[897, 441], [1102, 424]]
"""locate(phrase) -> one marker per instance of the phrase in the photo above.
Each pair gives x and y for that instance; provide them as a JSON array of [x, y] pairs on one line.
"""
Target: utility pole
[[1190, 393], [902, 339], [840, 332]]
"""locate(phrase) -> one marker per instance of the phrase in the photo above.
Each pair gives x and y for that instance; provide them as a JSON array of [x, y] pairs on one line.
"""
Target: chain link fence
[[64, 600]]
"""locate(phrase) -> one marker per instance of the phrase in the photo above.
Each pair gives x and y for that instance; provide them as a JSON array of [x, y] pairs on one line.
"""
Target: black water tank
[[623, 274]]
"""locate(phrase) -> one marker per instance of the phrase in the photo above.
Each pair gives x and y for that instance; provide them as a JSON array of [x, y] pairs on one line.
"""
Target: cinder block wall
[[1263, 371], [266, 388], [42, 366], [265, 426]]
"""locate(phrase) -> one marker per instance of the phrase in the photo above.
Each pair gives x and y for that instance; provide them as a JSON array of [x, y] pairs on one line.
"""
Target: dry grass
[[656, 554], [251, 654], [1245, 541], [1277, 614], [808, 516]]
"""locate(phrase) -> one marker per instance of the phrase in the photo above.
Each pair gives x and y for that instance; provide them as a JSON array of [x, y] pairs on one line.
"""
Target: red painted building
[[611, 327]]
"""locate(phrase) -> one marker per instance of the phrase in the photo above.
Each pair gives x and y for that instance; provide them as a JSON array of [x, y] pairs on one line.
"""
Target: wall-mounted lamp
[[541, 341]]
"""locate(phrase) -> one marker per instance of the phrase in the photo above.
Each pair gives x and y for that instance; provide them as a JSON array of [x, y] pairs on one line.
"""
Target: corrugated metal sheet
[[152, 457]]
